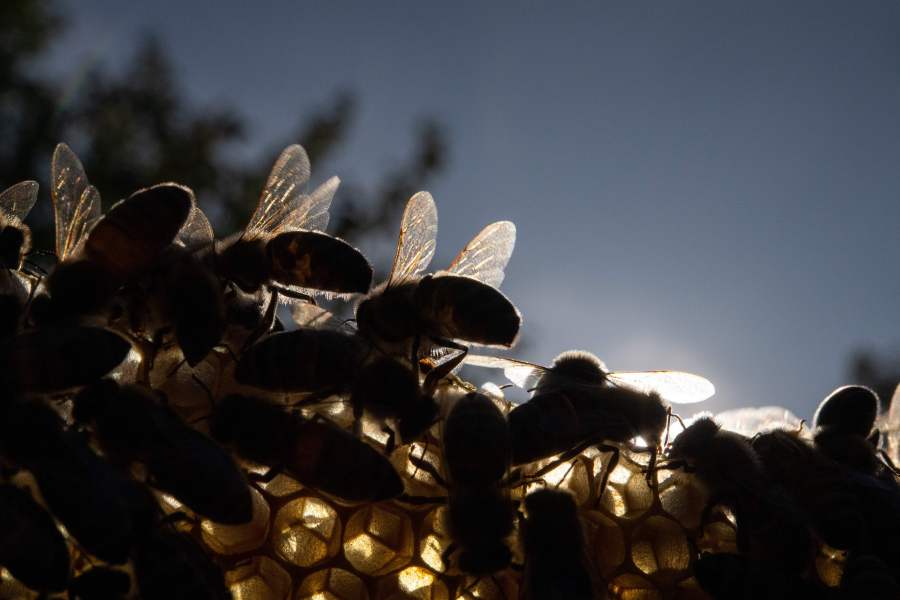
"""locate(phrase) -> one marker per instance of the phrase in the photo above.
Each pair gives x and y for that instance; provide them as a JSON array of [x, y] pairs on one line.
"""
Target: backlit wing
[[283, 193], [18, 200], [76, 204], [521, 373], [196, 232], [750, 421], [485, 257], [417, 240], [673, 386], [312, 212]]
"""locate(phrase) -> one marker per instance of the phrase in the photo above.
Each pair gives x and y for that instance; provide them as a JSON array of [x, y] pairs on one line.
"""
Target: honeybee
[[131, 425], [556, 561], [15, 236], [578, 402], [480, 514], [315, 452], [97, 254], [50, 360], [771, 528], [284, 247], [850, 510], [332, 359], [844, 430], [31, 546], [461, 303], [98, 505]]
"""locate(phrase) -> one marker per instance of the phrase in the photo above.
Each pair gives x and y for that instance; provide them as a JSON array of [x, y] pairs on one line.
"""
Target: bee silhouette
[[461, 303]]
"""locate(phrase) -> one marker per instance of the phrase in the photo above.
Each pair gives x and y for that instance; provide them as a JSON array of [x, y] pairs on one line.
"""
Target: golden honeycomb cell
[[613, 501], [332, 584], [572, 476], [638, 495], [411, 583], [684, 502], [830, 565], [659, 544], [378, 539], [236, 539], [499, 586], [306, 531], [607, 542], [261, 579], [633, 587], [281, 485], [434, 540]]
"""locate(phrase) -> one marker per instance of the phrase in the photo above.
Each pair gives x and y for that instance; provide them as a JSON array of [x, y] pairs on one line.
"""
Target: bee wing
[[306, 314], [522, 373], [485, 257], [312, 212], [673, 386], [18, 200], [417, 239], [196, 232], [69, 184], [87, 213], [750, 421], [283, 193]]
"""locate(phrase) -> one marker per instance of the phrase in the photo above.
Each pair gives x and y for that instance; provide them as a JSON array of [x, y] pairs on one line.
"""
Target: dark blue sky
[[696, 186]]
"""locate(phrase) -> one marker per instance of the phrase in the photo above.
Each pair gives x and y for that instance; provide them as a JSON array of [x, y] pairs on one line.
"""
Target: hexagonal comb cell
[[261, 579], [411, 583], [378, 539], [659, 545], [306, 531], [332, 584]]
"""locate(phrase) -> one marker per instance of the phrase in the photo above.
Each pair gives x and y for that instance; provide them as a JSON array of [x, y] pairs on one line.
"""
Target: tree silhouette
[[137, 128]]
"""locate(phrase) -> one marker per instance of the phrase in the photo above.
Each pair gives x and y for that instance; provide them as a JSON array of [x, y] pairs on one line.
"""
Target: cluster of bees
[[164, 434]]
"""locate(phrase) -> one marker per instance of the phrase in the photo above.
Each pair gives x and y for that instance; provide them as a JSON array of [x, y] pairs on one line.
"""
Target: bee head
[[850, 409], [694, 440], [14, 242], [574, 366]]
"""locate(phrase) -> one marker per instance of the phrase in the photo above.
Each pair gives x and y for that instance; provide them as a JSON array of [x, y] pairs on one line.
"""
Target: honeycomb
[[644, 532]]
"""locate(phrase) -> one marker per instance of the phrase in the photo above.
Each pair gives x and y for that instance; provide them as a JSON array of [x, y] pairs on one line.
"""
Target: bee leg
[[292, 294], [888, 462], [610, 467], [266, 323], [421, 463], [391, 442], [448, 343], [433, 378]]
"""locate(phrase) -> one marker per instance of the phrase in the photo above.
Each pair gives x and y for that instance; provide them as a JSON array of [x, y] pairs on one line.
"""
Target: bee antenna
[[800, 426]]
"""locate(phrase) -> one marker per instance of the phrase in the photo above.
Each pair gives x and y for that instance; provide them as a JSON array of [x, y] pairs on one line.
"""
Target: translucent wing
[[485, 257], [306, 314], [417, 240], [312, 214], [87, 213], [283, 192], [890, 427], [18, 200], [672, 386], [750, 421], [69, 183], [522, 373], [196, 232]]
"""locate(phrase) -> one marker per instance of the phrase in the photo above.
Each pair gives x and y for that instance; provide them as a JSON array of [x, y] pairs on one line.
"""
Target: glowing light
[[414, 578]]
